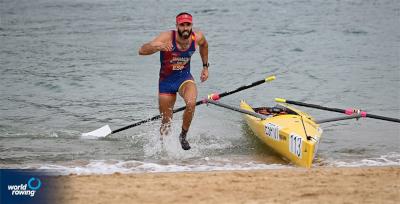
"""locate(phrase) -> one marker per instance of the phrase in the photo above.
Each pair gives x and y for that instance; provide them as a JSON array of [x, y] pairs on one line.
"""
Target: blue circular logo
[[31, 180]]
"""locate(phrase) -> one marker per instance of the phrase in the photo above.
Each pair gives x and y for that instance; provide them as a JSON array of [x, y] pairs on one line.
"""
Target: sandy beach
[[294, 185]]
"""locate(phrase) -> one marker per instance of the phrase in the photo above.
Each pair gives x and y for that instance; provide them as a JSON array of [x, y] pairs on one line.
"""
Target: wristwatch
[[206, 65]]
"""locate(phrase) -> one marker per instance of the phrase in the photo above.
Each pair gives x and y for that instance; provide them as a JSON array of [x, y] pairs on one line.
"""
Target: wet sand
[[294, 185]]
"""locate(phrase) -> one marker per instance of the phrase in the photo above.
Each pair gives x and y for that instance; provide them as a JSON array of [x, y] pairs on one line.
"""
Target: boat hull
[[295, 136]]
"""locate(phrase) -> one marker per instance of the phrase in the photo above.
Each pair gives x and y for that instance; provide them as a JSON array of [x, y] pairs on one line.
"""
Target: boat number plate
[[295, 144], [272, 131]]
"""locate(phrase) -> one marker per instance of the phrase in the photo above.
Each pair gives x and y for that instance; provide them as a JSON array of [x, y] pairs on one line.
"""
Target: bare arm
[[203, 47], [160, 43]]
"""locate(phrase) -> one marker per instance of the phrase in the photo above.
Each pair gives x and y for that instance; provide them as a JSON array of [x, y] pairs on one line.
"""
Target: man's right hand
[[161, 46], [162, 42]]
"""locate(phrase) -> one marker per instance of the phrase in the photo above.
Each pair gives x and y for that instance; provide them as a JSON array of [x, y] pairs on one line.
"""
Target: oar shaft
[[348, 117], [184, 107], [150, 119], [345, 111], [245, 87], [137, 124], [315, 106], [257, 115], [383, 118], [270, 78]]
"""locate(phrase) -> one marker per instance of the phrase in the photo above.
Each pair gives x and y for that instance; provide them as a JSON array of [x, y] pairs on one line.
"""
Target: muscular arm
[[160, 43], [203, 47]]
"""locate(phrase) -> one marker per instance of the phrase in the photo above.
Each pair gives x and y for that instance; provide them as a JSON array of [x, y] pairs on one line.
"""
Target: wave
[[110, 167], [390, 159], [201, 165]]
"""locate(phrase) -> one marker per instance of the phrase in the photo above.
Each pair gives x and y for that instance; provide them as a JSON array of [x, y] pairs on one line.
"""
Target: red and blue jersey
[[175, 66]]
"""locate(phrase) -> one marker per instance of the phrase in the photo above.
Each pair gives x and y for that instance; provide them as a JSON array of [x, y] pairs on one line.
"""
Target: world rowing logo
[[32, 182], [28, 189]]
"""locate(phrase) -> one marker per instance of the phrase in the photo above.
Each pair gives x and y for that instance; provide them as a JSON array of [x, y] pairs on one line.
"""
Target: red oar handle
[[351, 111]]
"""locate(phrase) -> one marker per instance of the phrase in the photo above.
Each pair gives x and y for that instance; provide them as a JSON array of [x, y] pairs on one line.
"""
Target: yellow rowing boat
[[289, 131]]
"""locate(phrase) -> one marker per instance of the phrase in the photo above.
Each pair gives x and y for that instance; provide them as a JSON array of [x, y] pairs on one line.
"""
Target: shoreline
[[292, 185]]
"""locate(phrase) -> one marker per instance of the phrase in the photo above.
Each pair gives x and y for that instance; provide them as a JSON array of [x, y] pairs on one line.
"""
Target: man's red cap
[[184, 18]]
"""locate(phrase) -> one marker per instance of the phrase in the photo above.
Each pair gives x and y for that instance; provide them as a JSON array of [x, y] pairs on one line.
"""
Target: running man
[[176, 48]]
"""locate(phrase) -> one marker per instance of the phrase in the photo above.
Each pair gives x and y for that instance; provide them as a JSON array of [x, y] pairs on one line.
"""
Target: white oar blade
[[99, 133]]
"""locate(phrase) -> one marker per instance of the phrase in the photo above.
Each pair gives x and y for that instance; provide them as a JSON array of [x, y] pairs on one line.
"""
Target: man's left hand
[[204, 75]]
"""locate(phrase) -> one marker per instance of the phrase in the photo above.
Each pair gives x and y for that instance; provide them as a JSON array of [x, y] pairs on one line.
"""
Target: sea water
[[69, 67]]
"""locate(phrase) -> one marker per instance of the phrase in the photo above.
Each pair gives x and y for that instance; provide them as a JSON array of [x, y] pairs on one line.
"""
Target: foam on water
[[203, 165], [390, 159], [109, 167]]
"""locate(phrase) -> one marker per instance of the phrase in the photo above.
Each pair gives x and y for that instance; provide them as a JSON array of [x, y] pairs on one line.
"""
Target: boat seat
[[270, 110]]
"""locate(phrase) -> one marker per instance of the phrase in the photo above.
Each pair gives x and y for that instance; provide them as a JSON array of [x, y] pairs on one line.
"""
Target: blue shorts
[[171, 87]]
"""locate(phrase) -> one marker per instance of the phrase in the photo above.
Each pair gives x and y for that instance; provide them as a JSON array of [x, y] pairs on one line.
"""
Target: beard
[[184, 34]]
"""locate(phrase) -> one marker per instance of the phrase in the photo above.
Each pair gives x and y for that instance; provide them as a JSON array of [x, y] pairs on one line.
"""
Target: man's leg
[[166, 105], [188, 92]]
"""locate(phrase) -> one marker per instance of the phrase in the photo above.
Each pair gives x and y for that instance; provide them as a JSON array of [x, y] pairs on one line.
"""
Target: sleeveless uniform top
[[175, 66]]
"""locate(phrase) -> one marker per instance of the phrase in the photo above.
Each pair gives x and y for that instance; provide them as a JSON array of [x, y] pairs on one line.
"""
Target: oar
[[348, 111], [347, 117], [105, 130], [263, 117], [257, 115]]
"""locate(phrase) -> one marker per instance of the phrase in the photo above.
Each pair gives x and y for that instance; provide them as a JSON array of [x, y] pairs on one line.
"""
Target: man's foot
[[162, 140], [165, 129], [182, 138]]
